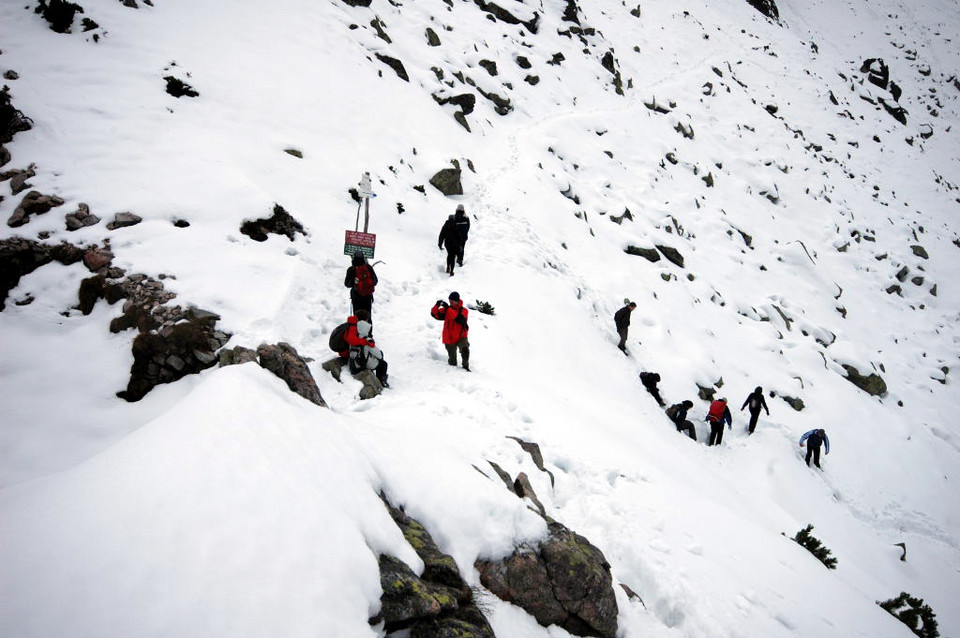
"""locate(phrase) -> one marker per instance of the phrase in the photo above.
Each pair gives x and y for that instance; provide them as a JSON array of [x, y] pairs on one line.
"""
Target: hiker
[[361, 280], [650, 381], [454, 337], [678, 414], [621, 319], [366, 355], [814, 438], [756, 402], [451, 239], [342, 339], [462, 223], [718, 414]]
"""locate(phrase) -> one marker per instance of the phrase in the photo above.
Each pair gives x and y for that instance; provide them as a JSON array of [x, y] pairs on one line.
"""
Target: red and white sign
[[355, 241]]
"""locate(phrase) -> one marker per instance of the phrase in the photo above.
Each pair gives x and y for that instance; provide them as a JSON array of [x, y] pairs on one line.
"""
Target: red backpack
[[716, 411], [364, 277]]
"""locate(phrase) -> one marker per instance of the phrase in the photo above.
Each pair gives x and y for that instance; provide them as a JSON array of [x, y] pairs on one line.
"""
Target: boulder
[[766, 7], [650, 254], [672, 254], [565, 581], [18, 178], [447, 181], [236, 356], [282, 360], [19, 257], [872, 384], [406, 599], [371, 384], [394, 64]]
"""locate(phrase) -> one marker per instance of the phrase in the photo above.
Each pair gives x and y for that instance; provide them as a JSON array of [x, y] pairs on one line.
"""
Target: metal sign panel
[[355, 241]]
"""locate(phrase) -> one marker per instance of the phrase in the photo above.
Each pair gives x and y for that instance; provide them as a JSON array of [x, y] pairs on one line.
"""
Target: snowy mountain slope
[[222, 504]]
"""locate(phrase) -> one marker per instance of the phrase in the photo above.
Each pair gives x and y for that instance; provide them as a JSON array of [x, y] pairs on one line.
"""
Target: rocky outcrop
[[280, 223], [18, 178], [672, 254], [165, 356], [282, 360], [503, 15], [435, 604], [59, 14], [81, 218], [565, 581], [19, 257], [650, 254], [394, 64], [766, 7]]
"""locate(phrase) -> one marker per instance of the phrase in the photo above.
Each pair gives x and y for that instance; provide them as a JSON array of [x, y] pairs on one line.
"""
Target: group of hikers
[[353, 340], [718, 413]]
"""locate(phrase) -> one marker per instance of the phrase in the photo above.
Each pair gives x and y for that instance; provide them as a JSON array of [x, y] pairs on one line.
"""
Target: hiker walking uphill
[[462, 223], [814, 439], [756, 402], [621, 319], [361, 280], [650, 381], [718, 414], [678, 414], [454, 336], [451, 239]]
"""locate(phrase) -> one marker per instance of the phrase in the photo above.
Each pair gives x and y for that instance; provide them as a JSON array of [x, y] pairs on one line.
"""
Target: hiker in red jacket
[[718, 414], [454, 337], [361, 280]]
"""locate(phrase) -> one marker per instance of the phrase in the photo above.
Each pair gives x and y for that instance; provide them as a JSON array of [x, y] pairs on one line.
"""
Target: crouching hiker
[[718, 414], [366, 357], [455, 328], [342, 339], [678, 414], [814, 439]]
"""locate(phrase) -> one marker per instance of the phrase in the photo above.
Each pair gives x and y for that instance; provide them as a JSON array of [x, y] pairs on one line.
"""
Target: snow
[[224, 504]]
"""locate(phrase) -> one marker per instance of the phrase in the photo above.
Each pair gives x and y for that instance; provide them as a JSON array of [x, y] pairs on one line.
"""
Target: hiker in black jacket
[[361, 280], [756, 402], [462, 223], [451, 240], [621, 319], [650, 381], [678, 414]]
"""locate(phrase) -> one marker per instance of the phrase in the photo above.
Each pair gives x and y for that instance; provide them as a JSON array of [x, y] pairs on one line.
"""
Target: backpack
[[673, 411], [337, 341], [715, 415], [364, 276]]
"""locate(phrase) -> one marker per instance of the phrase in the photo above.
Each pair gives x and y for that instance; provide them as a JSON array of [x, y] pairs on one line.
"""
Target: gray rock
[[432, 38], [650, 254], [237, 356], [123, 220], [10, 74], [371, 384], [535, 454], [672, 254], [920, 251], [81, 218], [524, 489], [282, 360], [447, 181], [565, 581], [33, 203], [394, 64]]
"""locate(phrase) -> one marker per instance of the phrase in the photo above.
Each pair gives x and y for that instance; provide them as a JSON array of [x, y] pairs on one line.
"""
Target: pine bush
[[485, 307], [913, 613], [815, 547]]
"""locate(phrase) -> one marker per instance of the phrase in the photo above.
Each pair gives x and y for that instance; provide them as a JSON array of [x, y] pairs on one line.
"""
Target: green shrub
[[913, 613], [485, 308], [815, 547]]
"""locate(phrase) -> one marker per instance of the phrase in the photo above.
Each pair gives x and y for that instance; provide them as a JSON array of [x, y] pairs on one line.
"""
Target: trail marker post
[[356, 241]]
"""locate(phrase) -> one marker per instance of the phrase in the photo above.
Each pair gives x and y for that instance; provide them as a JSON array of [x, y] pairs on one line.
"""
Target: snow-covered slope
[[223, 504]]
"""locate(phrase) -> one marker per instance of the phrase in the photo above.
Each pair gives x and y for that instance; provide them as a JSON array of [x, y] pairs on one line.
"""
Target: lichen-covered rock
[[406, 598], [447, 181], [565, 581], [282, 360], [872, 384]]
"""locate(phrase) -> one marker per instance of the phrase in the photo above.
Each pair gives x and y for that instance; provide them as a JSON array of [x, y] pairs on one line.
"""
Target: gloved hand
[[441, 302]]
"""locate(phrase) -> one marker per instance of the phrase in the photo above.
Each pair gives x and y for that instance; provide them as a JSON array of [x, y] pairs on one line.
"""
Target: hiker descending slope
[[678, 414], [621, 320], [718, 414], [454, 336], [756, 402], [814, 439], [361, 280], [451, 239], [650, 381]]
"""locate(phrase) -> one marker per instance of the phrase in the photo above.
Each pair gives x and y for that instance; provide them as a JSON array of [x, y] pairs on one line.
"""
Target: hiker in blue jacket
[[814, 438]]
